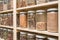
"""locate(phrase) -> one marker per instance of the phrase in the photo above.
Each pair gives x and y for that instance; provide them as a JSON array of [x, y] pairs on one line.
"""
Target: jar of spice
[[40, 37], [23, 36], [30, 36], [40, 1], [30, 2], [10, 34], [1, 5], [41, 20], [51, 38], [52, 20], [31, 20], [23, 21]]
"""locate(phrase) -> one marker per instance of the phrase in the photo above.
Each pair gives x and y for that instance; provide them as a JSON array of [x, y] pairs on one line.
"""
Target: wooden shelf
[[3, 26], [39, 32], [43, 5], [6, 11]]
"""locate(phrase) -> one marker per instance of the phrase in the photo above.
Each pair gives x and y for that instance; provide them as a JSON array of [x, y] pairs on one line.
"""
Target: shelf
[[39, 32], [3, 26], [43, 5], [6, 11]]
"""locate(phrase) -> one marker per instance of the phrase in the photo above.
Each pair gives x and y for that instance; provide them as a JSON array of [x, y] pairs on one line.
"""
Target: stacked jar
[[30, 36], [31, 23], [41, 37], [23, 21], [23, 36], [52, 20], [41, 20]]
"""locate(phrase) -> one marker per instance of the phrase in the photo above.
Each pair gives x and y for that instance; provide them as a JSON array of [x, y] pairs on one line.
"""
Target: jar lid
[[40, 11], [31, 11], [22, 12], [30, 34], [52, 9], [9, 30], [22, 33], [40, 36], [50, 38]]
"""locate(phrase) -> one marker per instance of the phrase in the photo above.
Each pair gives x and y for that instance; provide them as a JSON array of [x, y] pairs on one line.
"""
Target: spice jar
[[40, 1], [23, 36], [23, 21], [5, 19], [1, 5], [10, 18], [40, 37], [5, 4], [5, 34], [30, 2], [52, 20], [51, 38], [0, 19], [30, 36], [41, 20], [51, 0], [31, 20], [10, 34]]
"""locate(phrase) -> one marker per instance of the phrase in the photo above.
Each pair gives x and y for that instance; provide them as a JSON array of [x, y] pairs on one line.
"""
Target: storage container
[[41, 20], [30, 36], [23, 21], [52, 20], [31, 23], [23, 36]]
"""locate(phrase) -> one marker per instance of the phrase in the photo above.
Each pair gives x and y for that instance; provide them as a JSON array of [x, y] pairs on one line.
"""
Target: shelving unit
[[42, 6], [39, 32]]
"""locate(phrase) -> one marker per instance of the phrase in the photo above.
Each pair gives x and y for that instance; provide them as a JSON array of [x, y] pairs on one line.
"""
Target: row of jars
[[6, 5], [40, 20], [24, 3], [31, 36]]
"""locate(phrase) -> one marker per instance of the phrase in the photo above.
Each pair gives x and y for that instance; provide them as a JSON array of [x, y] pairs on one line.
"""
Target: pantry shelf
[[6, 11], [3, 26], [39, 32], [43, 6]]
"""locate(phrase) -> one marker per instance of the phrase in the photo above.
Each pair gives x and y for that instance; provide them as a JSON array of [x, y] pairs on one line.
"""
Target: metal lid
[[22, 33], [50, 38], [52, 9], [22, 12], [40, 11], [31, 11], [30, 34], [40, 36]]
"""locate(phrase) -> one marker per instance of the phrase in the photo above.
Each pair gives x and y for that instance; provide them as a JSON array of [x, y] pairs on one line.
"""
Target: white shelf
[[3, 26], [6, 11], [40, 5], [39, 32]]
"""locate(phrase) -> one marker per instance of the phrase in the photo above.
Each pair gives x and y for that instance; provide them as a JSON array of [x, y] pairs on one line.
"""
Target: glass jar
[[40, 37], [5, 34], [30, 2], [5, 4], [51, 38], [1, 5], [40, 1], [52, 20], [23, 36], [23, 21], [10, 19], [5, 19], [41, 20], [10, 34], [30, 36], [31, 20]]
